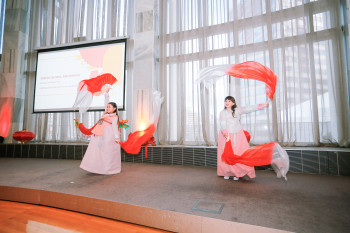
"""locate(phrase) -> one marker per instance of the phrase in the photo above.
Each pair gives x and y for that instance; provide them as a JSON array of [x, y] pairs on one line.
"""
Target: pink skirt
[[239, 146]]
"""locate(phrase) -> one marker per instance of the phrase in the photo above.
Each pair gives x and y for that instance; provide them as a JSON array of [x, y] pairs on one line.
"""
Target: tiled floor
[[306, 203]]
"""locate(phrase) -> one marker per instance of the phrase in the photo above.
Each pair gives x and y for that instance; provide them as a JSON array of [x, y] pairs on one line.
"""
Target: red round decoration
[[23, 136]]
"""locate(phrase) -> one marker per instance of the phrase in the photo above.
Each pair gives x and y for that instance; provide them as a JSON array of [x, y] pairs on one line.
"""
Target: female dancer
[[103, 153], [231, 129]]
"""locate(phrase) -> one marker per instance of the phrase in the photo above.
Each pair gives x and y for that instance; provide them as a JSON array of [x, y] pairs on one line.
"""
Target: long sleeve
[[249, 109], [115, 128]]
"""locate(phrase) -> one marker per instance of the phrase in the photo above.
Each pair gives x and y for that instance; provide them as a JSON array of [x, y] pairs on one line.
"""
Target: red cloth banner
[[137, 139], [256, 156], [256, 71]]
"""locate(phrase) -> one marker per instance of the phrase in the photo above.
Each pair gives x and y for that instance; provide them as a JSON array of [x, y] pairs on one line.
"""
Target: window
[[299, 40]]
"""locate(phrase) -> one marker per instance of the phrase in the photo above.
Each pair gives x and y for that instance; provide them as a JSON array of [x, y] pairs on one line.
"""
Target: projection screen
[[59, 71]]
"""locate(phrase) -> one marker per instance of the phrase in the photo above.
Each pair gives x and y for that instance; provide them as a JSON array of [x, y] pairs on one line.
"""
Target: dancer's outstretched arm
[[253, 108]]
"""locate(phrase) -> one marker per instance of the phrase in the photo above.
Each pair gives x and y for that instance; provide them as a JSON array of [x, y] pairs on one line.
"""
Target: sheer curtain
[[300, 40], [60, 22]]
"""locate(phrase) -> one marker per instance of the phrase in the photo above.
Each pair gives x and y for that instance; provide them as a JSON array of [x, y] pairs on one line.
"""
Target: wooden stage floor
[[183, 198]]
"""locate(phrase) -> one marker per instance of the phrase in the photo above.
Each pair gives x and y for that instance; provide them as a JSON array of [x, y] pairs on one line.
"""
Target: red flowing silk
[[256, 156], [256, 71], [247, 135], [262, 154], [85, 130], [96, 84], [150, 141], [137, 139]]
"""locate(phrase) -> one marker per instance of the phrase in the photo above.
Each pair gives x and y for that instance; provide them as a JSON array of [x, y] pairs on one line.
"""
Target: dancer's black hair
[[234, 106], [114, 106]]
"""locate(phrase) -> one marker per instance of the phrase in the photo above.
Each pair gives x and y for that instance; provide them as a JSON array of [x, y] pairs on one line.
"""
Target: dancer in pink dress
[[103, 153], [231, 128]]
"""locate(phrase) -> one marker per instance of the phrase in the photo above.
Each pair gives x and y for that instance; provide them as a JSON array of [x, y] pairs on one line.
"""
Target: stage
[[183, 198]]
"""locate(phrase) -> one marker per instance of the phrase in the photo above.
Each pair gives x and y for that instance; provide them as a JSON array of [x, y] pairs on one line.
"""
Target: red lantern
[[23, 136]]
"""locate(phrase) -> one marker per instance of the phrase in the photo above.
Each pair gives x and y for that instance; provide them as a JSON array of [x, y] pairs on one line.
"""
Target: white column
[[143, 63]]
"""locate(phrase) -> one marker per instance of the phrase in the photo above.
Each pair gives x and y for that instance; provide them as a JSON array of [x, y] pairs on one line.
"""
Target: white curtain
[[60, 22], [300, 40]]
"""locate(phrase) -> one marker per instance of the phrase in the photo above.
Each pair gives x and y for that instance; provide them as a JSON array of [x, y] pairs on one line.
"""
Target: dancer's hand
[[227, 136], [105, 89], [117, 140], [262, 106]]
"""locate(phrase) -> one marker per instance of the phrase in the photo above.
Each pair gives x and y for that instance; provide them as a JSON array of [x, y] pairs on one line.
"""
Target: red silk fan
[[89, 87], [94, 85]]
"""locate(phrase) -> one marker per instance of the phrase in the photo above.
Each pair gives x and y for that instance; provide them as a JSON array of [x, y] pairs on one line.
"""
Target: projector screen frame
[[76, 46]]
